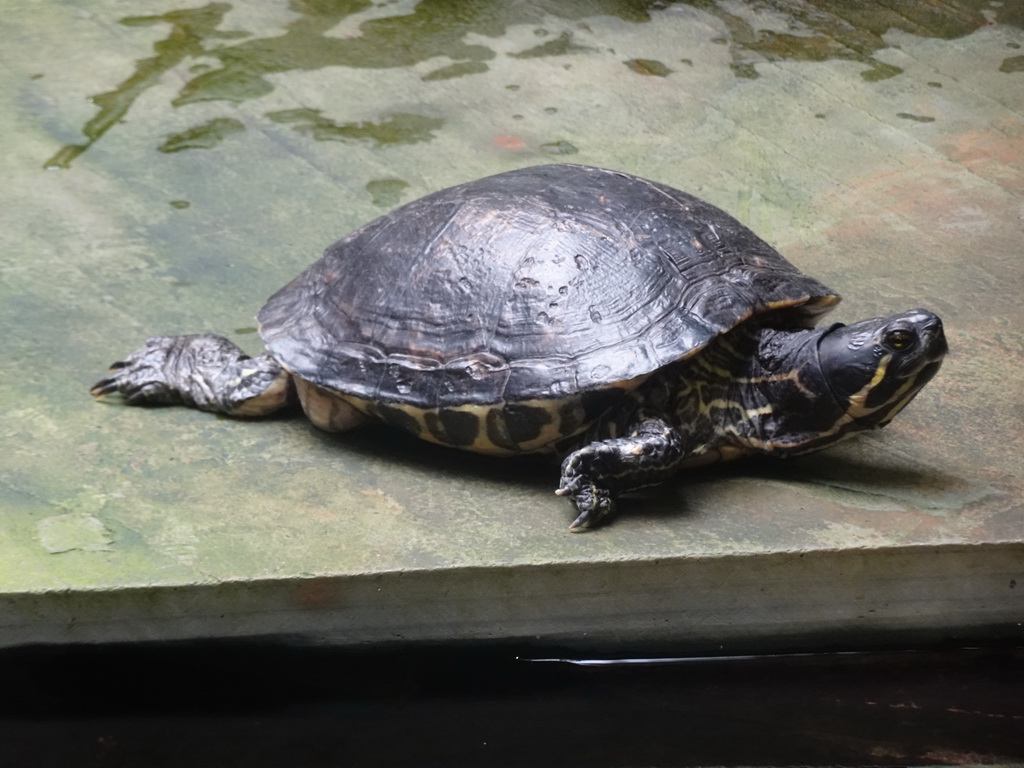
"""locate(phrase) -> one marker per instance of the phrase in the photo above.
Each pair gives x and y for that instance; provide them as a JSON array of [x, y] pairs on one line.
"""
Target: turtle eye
[[899, 339]]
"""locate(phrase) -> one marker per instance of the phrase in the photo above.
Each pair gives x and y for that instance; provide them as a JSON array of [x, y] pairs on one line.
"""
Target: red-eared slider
[[625, 325]]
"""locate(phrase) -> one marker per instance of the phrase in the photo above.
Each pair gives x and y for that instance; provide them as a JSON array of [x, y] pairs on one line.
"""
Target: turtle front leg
[[204, 371], [593, 475]]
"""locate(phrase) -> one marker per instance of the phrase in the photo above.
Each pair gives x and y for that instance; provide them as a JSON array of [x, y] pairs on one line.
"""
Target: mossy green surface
[[165, 172]]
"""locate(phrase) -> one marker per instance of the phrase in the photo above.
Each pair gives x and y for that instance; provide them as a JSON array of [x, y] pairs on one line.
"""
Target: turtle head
[[875, 367]]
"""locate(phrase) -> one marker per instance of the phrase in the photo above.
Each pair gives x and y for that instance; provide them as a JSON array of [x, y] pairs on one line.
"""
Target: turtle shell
[[538, 284]]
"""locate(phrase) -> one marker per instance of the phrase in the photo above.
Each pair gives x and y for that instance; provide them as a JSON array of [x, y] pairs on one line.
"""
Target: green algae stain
[[189, 29], [559, 148], [386, 193], [799, 47], [458, 69], [77, 530], [434, 29], [399, 128], [851, 31], [560, 46], [880, 71], [744, 70], [205, 136], [1012, 64], [223, 85], [649, 67], [915, 118]]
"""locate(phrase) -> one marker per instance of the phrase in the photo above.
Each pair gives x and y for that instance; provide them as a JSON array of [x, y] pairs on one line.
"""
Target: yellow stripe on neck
[[857, 407]]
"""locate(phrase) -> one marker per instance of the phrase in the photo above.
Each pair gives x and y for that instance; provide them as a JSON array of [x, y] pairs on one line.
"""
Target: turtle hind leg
[[593, 475], [204, 371]]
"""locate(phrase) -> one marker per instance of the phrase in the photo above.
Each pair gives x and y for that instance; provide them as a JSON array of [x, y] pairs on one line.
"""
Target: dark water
[[261, 705]]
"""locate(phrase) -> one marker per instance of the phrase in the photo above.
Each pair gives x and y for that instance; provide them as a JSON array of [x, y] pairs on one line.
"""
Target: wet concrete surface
[[168, 170]]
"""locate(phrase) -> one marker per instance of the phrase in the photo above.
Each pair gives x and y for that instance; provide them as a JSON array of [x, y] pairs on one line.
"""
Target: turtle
[[628, 328]]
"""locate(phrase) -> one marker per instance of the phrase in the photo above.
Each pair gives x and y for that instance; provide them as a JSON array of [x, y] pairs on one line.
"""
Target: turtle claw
[[125, 382], [593, 502], [103, 387], [585, 521], [140, 377]]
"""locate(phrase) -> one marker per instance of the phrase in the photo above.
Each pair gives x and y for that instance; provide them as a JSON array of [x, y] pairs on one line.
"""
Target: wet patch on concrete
[[77, 530], [400, 128], [420, 32], [205, 136]]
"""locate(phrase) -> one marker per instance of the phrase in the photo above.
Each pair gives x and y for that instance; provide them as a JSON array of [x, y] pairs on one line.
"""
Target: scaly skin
[[202, 371], [592, 475]]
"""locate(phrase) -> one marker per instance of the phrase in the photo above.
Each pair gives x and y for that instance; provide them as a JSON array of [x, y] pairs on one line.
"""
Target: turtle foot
[[593, 502], [594, 474], [202, 371]]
